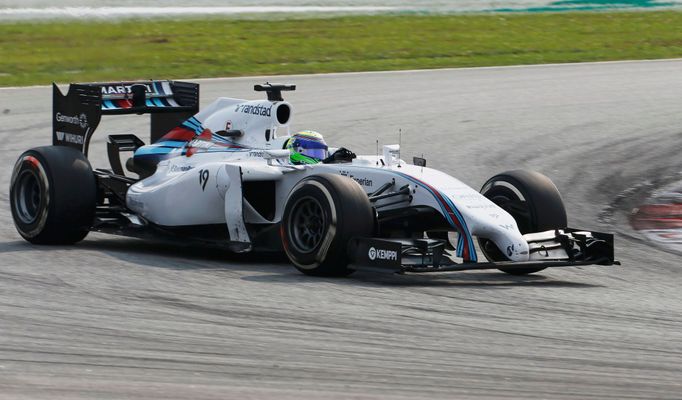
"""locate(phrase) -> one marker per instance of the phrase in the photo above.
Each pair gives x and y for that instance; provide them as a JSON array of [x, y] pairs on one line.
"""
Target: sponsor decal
[[228, 125], [377, 252], [481, 206], [363, 181], [510, 250], [80, 120], [381, 254], [201, 144], [181, 168], [360, 180], [198, 144], [261, 110], [256, 154], [69, 137], [469, 196], [123, 89]]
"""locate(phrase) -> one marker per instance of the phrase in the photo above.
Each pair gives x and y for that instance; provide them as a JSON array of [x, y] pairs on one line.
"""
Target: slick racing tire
[[321, 215], [534, 202], [53, 195]]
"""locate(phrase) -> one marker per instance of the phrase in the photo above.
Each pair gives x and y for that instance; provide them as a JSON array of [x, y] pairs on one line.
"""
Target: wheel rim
[[308, 223], [28, 197]]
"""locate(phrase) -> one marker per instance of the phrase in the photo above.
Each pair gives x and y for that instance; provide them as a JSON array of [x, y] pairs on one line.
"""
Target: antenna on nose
[[400, 143], [377, 151]]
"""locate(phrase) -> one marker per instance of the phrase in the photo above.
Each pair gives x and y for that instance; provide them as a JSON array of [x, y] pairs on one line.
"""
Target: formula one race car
[[234, 176]]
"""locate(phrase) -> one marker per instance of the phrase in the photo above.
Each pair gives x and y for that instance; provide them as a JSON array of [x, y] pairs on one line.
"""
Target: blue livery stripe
[[192, 128], [460, 218], [171, 143], [458, 215]]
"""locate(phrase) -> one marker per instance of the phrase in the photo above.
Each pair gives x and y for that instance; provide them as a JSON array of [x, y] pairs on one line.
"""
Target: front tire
[[53, 195], [534, 202], [322, 214]]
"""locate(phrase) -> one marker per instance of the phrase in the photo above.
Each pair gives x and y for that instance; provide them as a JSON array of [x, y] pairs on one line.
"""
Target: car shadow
[[478, 279], [275, 267]]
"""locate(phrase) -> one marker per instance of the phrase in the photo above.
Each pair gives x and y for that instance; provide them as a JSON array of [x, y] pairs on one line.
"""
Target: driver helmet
[[307, 147]]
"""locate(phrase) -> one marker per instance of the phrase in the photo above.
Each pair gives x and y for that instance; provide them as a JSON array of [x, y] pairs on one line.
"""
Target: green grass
[[40, 53]]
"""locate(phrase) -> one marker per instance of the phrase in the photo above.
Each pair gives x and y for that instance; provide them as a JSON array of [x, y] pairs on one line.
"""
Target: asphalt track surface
[[114, 318]]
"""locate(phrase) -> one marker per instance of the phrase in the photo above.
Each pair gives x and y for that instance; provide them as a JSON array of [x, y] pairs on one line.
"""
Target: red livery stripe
[[125, 103], [179, 133]]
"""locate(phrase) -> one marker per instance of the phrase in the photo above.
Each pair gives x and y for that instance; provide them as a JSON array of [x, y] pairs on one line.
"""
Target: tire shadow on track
[[151, 254], [275, 267]]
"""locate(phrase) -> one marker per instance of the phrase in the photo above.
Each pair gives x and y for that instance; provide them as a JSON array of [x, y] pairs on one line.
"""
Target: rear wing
[[77, 114]]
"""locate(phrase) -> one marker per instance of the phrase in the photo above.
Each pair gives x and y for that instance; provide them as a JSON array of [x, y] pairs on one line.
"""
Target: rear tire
[[321, 216], [534, 202], [53, 195]]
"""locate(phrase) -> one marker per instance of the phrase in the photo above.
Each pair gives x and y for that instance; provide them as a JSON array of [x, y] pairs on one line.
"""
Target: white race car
[[228, 176]]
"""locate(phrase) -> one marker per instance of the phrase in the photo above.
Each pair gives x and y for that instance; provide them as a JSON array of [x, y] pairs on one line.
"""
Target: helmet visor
[[311, 148], [319, 154]]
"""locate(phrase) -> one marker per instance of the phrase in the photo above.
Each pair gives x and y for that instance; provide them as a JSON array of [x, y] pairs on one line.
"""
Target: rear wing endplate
[[77, 114]]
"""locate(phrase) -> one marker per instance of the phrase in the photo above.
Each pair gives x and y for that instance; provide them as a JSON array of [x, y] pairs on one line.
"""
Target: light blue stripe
[[194, 125], [157, 88], [193, 121], [153, 150]]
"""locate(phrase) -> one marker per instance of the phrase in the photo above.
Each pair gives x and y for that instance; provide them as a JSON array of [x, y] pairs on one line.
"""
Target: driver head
[[307, 147]]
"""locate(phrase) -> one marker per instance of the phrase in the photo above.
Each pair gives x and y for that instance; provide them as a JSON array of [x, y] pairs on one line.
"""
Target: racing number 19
[[203, 178]]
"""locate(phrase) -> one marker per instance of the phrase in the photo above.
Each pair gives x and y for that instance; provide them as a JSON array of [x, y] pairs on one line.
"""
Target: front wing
[[558, 248]]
